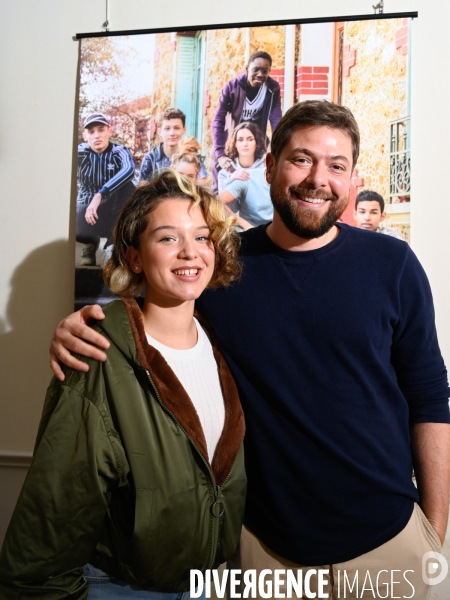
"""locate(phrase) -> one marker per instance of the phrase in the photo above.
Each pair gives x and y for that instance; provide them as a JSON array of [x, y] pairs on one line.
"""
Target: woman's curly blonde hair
[[133, 219]]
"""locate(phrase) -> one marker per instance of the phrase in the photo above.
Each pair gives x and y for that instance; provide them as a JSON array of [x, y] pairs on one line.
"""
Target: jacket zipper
[[216, 519], [215, 528]]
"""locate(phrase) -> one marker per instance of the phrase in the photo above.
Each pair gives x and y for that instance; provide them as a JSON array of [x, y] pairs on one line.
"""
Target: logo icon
[[434, 568]]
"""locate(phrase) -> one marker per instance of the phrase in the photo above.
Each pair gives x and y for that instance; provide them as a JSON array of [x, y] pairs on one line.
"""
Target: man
[[105, 173], [330, 335], [173, 127], [369, 213], [253, 96]]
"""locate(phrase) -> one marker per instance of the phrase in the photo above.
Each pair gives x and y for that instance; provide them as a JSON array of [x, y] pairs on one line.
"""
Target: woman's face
[[176, 253], [187, 169], [245, 143]]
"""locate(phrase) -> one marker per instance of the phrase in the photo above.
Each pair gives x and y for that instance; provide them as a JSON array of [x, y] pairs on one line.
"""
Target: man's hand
[[73, 335], [431, 454], [91, 215], [225, 163]]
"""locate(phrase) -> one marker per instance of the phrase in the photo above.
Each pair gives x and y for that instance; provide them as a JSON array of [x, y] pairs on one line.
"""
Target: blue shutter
[[185, 82]]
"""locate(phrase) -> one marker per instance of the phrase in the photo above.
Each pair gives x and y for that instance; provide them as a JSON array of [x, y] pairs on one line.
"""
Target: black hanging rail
[[371, 17]]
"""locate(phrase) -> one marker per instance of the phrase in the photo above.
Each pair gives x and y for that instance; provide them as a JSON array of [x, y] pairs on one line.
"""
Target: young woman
[[138, 465], [245, 191], [187, 161]]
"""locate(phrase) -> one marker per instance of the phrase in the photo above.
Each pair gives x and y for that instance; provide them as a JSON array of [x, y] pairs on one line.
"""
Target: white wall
[[38, 59], [313, 53], [316, 54]]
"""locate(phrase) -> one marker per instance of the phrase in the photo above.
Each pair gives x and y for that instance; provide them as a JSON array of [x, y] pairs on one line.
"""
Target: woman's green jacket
[[121, 478]]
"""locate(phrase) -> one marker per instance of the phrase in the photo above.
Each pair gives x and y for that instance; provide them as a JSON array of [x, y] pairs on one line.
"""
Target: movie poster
[[127, 132]]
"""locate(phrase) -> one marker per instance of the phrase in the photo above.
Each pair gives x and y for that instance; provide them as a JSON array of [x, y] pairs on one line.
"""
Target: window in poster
[[126, 133]]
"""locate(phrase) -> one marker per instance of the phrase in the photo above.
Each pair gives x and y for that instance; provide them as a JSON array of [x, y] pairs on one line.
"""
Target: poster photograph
[[147, 100]]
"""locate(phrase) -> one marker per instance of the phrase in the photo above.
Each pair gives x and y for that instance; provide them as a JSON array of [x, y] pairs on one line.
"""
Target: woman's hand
[[91, 215], [241, 174], [73, 335]]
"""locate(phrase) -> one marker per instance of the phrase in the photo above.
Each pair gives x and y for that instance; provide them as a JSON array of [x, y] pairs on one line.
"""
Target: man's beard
[[301, 221]]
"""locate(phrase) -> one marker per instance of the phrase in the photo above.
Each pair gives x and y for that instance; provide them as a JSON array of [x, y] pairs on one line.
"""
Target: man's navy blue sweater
[[335, 355]]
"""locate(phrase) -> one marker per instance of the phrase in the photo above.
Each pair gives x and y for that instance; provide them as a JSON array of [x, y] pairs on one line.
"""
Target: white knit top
[[197, 371]]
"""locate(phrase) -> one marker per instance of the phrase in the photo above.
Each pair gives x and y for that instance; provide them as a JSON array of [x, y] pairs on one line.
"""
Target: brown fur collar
[[176, 400]]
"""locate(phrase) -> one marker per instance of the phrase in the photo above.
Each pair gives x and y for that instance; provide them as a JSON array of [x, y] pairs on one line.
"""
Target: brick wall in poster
[[278, 75], [401, 37], [313, 80]]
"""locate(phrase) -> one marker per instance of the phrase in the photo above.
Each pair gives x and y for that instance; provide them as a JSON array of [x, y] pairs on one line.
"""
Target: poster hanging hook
[[105, 25], [378, 8]]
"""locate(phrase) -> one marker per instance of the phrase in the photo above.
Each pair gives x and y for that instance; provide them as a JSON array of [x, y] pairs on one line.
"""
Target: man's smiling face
[[310, 182], [258, 72]]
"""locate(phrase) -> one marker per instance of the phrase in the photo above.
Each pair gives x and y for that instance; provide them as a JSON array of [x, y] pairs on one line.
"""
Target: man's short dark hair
[[370, 196], [259, 54], [173, 113], [315, 113]]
